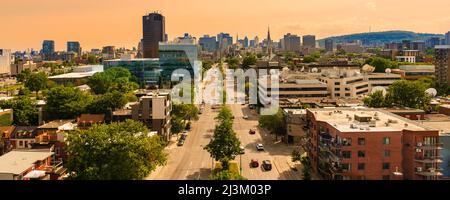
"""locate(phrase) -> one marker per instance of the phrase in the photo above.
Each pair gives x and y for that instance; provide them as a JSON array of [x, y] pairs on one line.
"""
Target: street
[[191, 162]]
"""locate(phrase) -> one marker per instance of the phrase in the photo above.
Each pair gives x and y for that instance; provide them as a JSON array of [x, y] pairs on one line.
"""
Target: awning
[[35, 174]]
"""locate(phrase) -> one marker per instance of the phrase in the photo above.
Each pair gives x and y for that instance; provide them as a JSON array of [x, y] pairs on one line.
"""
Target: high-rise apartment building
[[74, 47], [309, 41], [154, 31], [442, 63], [48, 49], [224, 40]]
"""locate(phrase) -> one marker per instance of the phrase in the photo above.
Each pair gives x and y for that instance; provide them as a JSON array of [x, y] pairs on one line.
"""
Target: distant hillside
[[382, 37]]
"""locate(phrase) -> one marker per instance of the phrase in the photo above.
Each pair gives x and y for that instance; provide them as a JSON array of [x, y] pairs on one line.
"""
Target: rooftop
[[74, 75], [58, 124], [345, 120], [16, 162]]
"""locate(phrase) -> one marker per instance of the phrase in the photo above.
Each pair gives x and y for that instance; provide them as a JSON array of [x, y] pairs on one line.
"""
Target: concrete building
[[5, 61], [154, 31], [224, 41], [415, 72], [74, 47], [79, 75], [153, 109], [432, 42], [371, 144], [309, 41], [419, 46], [351, 47], [207, 43], [19, 66], [408, 59], [109, 52], [48, 50], [291, 43], [442, 63], [329, 45]]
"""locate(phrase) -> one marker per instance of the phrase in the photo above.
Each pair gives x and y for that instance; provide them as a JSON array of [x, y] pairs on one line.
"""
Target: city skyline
[[102, 23]]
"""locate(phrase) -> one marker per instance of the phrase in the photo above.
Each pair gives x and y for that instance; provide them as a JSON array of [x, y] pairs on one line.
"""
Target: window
[[386, 141], [347, 154], [361, 154], [387, 153], [387, 177], [361, 141], [20, 143], [361, 166], [386, 166], [346, 167]]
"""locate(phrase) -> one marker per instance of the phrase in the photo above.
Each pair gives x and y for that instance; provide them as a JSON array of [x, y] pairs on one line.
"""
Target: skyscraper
[[269, 42], [291, 43], [309, 41], [246, 42], [442, 63], [154, 31], [224, 40], [74, 47], [329, 45], [48, 49], [208, 43]]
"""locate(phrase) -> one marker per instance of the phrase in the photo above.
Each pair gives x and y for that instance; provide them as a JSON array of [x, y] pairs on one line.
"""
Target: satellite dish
[[315, 70], [432, 92], [379, 88], [388, 71]]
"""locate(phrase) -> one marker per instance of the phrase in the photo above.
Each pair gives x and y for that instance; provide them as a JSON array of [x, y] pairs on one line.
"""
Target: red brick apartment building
[[371, 144]]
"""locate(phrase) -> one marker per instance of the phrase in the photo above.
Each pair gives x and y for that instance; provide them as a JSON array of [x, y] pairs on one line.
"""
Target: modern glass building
[[174, 56], [147, 70]]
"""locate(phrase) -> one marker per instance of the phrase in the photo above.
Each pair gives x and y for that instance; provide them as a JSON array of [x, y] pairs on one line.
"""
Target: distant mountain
[[382, 37]]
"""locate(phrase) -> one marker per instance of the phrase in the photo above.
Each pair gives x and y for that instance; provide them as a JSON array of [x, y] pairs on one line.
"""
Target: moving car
[[180, 143], [252, 132], [267, 165], [254, 163], [260, 147]]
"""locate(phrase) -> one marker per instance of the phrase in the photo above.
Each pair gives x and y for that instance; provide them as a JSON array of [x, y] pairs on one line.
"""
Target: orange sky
[[96, 23]]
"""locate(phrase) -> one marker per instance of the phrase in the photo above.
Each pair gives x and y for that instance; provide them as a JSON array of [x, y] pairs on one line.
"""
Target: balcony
[[437, 146], [430, 172], [429, 159]]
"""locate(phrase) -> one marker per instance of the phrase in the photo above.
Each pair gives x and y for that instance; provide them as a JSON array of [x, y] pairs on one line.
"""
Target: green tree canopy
[[409, 94], [36, 82], [116, 78], [24, 75], [118, 151], [274, 123], [66, 102], [375, 100], [381, 64], [110, 101], [25, 111], [249, 60]]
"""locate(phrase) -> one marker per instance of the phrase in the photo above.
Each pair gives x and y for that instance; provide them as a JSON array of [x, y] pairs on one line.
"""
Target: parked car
[[183, 137], [254, 163], [252, 132], [267, 165], [260, 147], [245, 117], [180, 143], [242, 150]]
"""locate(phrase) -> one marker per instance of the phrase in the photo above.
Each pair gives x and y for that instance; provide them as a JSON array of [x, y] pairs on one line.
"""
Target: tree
[[36, 82], [224, 145], [107, 103], [181, 113], [309, 59], [375, 100], [274, 123], [233, 62], [118, 151], [66, 102], [100, 83], [25, 111], [409, 94], [304, 160], [381, 64], [116, 78], [92, 59], [249, 60], [24, 75]]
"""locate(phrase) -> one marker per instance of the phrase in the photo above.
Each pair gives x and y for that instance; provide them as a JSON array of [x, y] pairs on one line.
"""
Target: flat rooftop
[[74, 75], [343, 119], [16, 162]]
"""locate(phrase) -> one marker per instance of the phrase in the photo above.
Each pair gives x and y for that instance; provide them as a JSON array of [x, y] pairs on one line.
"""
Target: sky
[[96, 23]]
